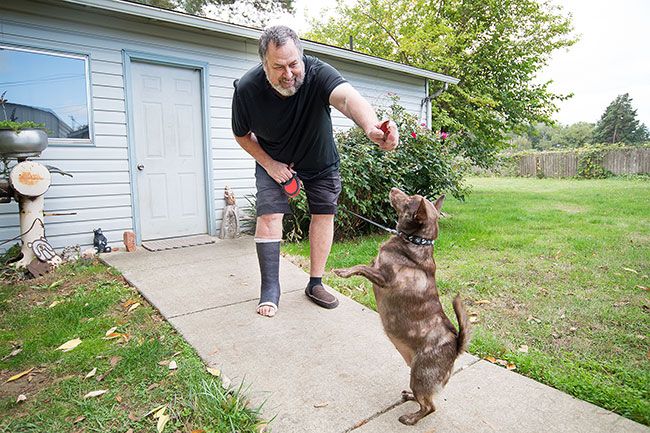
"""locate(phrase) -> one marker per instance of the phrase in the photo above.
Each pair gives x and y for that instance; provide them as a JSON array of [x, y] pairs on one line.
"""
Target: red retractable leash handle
[[291, 187], [384, 127]]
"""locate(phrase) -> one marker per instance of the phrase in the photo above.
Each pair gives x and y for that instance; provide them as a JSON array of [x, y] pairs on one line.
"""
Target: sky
[[610, 59]]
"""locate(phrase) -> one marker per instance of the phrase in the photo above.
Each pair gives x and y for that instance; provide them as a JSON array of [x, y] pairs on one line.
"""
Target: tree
[[618, 124], [246, 12], [495, 47]]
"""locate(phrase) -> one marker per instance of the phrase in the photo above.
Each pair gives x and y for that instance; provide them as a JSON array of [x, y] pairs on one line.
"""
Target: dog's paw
[[407, 396], [344, 273], [409, 419]]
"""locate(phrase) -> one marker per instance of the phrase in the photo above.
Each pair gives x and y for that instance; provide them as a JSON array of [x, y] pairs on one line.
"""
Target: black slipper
[[321, 297]]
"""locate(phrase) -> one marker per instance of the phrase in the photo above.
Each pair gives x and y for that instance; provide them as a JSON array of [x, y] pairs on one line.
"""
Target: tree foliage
[[246, 12], [619, 124], [543, 137], [495, 47]]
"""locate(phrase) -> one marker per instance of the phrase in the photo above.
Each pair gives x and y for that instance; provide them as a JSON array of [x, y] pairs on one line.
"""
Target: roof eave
[[169, 16]]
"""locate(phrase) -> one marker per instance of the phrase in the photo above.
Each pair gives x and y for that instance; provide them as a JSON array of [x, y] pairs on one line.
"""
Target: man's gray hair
[[278, 35]]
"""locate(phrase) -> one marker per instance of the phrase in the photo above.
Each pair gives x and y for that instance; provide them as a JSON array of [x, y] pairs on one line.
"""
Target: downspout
[[425, 105]]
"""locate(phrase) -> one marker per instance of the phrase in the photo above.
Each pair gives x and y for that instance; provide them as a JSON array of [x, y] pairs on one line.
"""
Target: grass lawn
[[126, 349], [555, 276]]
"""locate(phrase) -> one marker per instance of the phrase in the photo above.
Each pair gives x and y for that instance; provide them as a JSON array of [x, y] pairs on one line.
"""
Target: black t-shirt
[[295, 129]]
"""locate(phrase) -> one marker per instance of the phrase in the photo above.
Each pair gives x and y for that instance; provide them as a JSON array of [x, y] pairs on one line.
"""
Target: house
[[145, 96]]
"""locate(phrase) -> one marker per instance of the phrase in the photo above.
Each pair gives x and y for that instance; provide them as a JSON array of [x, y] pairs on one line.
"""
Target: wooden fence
[[565, 164]]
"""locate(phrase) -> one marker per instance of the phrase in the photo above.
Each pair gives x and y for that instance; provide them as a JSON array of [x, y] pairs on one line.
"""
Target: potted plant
[[20, 139]]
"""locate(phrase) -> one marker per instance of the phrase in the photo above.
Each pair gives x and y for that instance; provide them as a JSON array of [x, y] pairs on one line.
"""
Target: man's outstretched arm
[[349, 101]]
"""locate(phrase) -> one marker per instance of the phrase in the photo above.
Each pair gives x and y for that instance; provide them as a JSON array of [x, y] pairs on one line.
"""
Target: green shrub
[[17, 126], [590, 163], [423, 163]]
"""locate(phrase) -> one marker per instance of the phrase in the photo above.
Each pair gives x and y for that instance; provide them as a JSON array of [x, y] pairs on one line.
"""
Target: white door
[[169, 152]]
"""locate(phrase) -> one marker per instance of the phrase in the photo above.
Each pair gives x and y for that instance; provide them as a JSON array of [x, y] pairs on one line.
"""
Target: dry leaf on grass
[[133, 307], [54, 304], [319, 405], [19, 375], [91, 373], [162, 421], [21, 398], [118, 398], [78, 419], [482, 302], [13, 353], [69, 345], [214, 371], [491, 359], [97, 393], [631, 270], [523, 348], [111, 331], [172, 365], [155, 409], [511, 366]]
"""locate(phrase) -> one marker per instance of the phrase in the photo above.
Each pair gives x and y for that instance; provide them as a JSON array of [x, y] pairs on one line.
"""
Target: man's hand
[[384, 134], [279, 171]]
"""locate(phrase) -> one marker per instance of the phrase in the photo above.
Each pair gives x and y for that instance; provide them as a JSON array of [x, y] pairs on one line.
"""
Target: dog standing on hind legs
[[403, 277]]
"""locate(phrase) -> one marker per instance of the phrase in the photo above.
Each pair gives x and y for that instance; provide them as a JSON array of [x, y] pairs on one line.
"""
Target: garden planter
[[25, 143]]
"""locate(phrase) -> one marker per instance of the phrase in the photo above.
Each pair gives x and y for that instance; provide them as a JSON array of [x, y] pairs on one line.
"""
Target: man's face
[[284, 68]]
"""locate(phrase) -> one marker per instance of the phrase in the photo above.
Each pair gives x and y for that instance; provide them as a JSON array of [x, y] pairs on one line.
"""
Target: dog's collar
[[414, 239]]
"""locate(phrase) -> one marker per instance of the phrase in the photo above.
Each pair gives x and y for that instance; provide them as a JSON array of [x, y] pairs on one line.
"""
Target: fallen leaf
[[155, 409], [621, 303], [502, 362], [133, 307], [511, 366], [129, 430], [213, 371], [160, 412], [133, 417], [482, 302], [118, 398], [13, 353], [319, 405], [21, 397], [114, 360], [78, 419], [69, 345], [111, 331], [164, 363], [54, 304], [631, 270], [162, 421], [172, 365], [198, 431], [491, 359], [128, 303], [643, 288], [473, 318], [55, 284], [19, 375], [153, 386], [523, 348], [97, 393], [91, 373], [175, 354]]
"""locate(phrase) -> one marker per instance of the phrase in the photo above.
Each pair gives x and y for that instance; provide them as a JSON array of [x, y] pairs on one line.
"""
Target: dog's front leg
[[373, 274]]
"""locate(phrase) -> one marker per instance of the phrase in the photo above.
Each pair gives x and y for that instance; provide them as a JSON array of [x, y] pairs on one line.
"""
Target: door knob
[[140, 167]]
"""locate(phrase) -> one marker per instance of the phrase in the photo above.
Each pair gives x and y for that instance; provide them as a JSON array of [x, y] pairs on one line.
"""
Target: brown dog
[[403, 277]]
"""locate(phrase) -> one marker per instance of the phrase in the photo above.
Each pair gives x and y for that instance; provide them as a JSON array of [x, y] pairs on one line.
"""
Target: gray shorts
[[322, 193]]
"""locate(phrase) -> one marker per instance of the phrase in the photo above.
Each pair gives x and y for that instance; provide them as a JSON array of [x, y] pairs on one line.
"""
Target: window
[[46, 88]]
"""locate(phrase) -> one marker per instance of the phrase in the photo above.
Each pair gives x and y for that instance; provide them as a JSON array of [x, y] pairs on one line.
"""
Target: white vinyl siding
[[100, 191]]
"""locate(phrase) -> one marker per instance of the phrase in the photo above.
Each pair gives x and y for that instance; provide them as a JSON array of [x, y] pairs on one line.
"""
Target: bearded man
[[281, 117]]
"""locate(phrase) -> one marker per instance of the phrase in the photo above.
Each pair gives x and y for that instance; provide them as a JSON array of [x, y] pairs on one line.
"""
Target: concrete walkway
[[332, 371]]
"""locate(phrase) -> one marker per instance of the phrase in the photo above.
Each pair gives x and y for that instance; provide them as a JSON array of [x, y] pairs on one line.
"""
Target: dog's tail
[[463, 325]]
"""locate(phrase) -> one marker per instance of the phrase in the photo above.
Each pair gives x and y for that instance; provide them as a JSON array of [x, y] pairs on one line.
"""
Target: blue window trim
[[130, 56], [81, 55]]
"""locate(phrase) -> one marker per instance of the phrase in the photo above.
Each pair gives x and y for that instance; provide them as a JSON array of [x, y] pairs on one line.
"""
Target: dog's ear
[[421, 214], [438, 203]]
